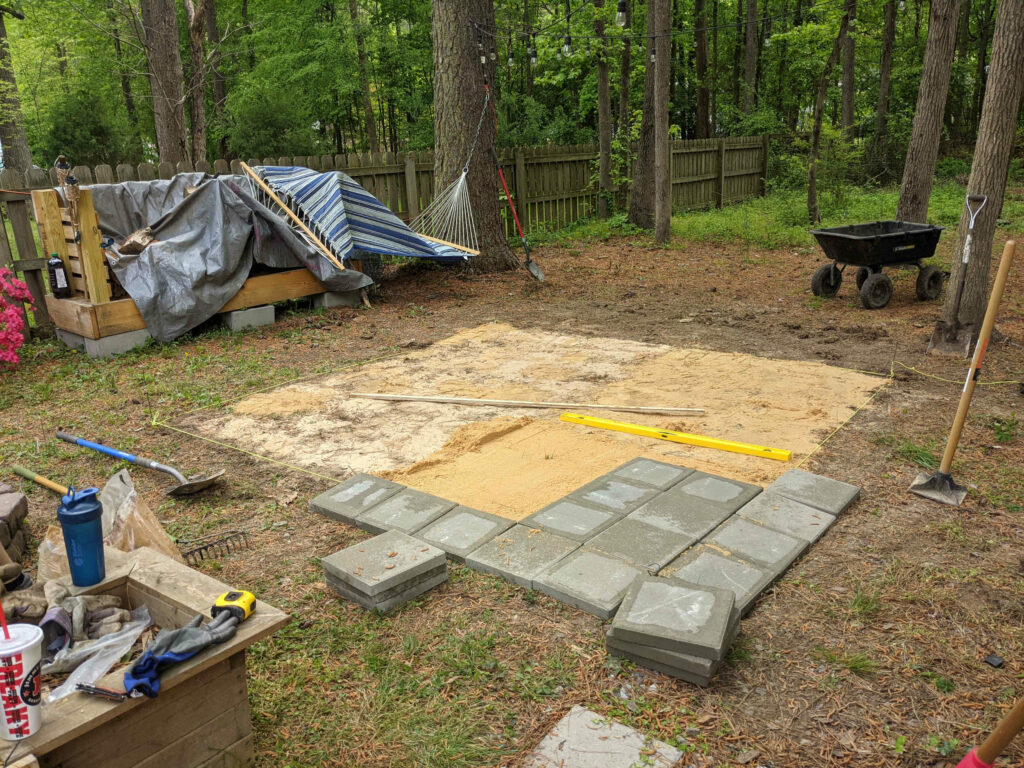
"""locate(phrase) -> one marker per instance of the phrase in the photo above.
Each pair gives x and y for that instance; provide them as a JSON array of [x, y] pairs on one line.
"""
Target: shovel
[[949, 338], [940, 486], [985, 755], [186, 485]]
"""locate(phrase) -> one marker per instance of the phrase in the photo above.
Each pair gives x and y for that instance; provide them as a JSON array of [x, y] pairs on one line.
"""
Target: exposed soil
[[869, 652]]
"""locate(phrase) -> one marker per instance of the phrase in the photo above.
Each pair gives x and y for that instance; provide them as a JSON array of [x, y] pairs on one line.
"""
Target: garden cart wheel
[[826, 281], [876, 291], [929, 283], [863, 273]]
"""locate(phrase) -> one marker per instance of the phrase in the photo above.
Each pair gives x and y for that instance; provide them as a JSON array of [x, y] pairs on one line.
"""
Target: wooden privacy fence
[[552, 186]]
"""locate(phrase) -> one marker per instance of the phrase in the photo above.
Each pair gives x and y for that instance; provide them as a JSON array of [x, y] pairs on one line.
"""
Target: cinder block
[[108, 346], [256, 317], [332, 299]]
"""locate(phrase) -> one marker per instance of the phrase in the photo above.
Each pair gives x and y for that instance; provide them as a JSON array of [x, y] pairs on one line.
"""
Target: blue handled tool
[[186, 485]]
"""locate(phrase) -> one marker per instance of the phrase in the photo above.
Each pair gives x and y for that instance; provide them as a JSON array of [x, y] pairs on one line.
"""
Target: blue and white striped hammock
[[347, 218]]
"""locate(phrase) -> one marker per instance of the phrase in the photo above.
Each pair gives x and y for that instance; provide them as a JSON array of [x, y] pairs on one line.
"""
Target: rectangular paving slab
[[406, 511], [666, 669], [591, 581], [612, 493], [347, 501], [707, 567], [391, 598], [384, 562], [520, 554], [681, 514], [757, 544], [786, 515], [686, 662], [824, 493], [656, 474], [461, 530], [584, 739], [712, 490], [570, 518], [641, 544], [676, 616]]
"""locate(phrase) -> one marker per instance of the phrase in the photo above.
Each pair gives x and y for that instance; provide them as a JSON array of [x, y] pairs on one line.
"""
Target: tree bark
[[981, 74], [662, 148], [604, 116], [849, 60], [250, 51], [12, 126], [714, 67], [750, 60], [126, 82], [364, 79], [196, 16], [737, 50], [879, 155], [164, 62], [819, 107], [919, 168], [989, 170], [641, 201], [625, 76], [458, 99], [700, 22], [220, 88]]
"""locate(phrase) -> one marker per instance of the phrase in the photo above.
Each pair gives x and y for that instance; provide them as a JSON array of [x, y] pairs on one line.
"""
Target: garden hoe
[[985, 756], [951, 338], [186, 485], [940, 486]]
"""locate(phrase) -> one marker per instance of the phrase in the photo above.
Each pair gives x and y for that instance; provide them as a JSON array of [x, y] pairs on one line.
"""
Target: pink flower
[[13, 293]]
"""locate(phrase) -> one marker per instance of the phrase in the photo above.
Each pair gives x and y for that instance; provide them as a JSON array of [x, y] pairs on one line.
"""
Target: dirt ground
[[869, 652]]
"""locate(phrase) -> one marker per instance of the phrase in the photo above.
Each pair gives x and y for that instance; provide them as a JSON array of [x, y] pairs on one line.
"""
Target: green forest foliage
[[291, 73]]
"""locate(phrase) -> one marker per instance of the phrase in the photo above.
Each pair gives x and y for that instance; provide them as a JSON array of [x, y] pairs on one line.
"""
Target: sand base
[[512, 461]]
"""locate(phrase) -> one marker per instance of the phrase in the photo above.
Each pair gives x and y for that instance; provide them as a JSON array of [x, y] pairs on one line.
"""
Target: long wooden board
[[95, 321], [523, 403]]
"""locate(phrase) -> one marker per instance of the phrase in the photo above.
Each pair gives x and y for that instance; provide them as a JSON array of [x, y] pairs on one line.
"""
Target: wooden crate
[[200, 718], [84, 261]]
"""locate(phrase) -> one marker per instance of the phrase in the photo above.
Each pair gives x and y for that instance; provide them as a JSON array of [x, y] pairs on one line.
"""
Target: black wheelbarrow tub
[[878, 243]]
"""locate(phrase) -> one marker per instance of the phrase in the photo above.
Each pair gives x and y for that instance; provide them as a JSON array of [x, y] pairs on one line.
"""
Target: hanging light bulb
[[494, 52], [567, 47], [654, 51], [533, 49], [480, 46], [511, 59], [620, 15]]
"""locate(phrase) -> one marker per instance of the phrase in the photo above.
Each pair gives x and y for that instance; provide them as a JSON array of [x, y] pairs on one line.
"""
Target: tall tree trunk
[[364, 79], [458, 99], [164, 63], [750, 60], [919, 168], [625, 76], [849, 59], [700, 21], [641, 202], [220, 88], [981, 74], [604, 115], [12, 128], [819, 107], [126, 82], [737, 49], [662, 148], [196, 15], [250, 51], [991, 162], [714, 66], [880, 139]]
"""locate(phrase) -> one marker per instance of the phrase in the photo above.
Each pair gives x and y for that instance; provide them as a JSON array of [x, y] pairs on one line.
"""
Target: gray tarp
[[205, 244]]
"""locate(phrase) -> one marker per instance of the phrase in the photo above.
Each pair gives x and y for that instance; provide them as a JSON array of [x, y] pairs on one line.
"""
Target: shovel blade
[[535, 271], [195, 484], [939, 487], [950, 344]]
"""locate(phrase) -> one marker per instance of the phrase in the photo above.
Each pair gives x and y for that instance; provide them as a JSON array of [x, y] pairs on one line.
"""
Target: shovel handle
[[28, 474], [1004, 733], [97, 447]]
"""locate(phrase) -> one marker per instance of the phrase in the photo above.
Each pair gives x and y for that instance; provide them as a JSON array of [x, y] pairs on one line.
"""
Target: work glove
[[173, 646]]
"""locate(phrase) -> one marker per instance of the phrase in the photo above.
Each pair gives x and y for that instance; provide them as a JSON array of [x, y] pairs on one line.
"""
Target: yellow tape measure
[[238, 603]]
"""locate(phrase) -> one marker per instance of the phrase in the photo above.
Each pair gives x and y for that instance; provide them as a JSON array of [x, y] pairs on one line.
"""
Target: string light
[[620, 15], [567, 46], [654, 51], [480, 46], [533, 50]]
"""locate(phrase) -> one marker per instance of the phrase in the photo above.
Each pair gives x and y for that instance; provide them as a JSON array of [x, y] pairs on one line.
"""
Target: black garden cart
[[872, 246]]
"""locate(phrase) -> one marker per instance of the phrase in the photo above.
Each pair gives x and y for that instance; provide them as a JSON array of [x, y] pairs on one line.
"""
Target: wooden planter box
[[200, 718], [90, 312]]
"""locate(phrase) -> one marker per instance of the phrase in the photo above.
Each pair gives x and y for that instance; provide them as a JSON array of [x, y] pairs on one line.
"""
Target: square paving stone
[[584, 739], [591, 581], [391, 598], [611, 493], [568, 517], [666, 669], [461, 530], [383, 562], [786, 515], [680, 514], [686, 662], [406, 511], [757, 544], [347, 501], [656, 474], [640, 543], [719, 492], [520, 554], [676, 616], [824, 493], [707, 567]]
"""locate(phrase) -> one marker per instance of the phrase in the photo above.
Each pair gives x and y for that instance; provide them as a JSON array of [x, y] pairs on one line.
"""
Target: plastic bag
[[91, 660]]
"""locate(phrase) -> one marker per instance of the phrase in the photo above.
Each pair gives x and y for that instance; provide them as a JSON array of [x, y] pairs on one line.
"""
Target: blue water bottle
[[80, 516]]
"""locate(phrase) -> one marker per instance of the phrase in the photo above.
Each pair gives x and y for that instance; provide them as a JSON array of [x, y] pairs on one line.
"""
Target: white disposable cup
[[19, 681]]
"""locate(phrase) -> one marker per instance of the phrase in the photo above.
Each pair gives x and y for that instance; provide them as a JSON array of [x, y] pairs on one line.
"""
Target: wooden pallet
[[83, 258]]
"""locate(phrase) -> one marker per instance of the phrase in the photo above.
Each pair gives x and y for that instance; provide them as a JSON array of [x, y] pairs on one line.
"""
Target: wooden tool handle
[[979, 355], [45, 482], [1004, 733]]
